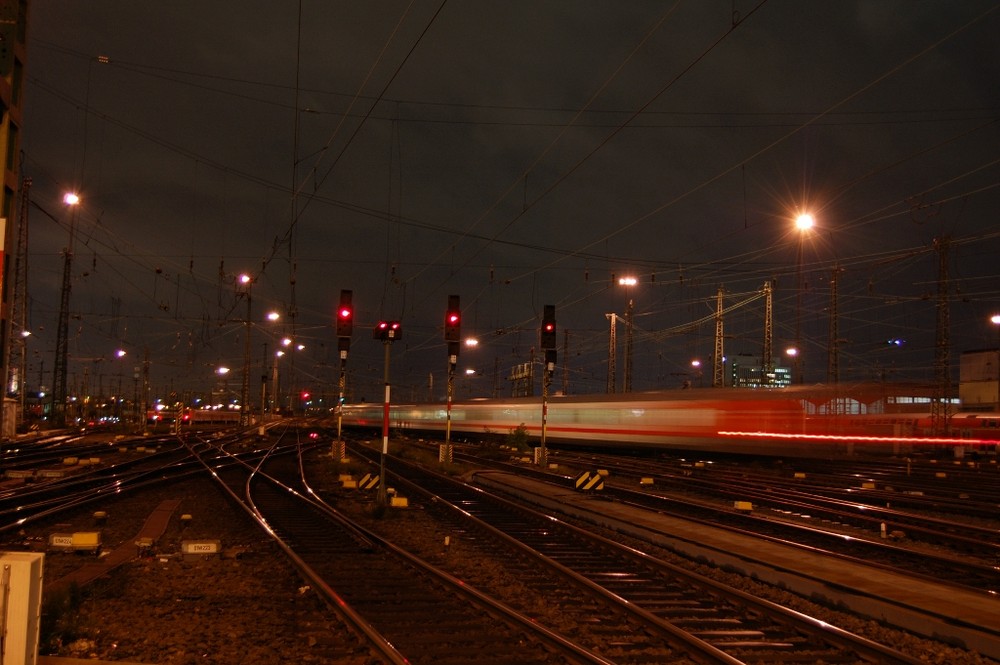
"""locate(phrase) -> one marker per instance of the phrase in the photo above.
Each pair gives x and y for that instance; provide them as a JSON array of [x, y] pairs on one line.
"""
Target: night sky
[[516, 154]]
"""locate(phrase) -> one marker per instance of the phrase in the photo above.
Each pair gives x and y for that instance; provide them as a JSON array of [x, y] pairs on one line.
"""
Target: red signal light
[[345, 316], [453, 321], [387, 331], [548, 330]]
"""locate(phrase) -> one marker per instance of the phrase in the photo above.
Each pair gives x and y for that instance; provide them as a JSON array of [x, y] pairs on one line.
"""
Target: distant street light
[[247, 282], [995, 320], [275, 388], [696, 370], [628, 281], [223, 373], [119, 400], [268, 405]]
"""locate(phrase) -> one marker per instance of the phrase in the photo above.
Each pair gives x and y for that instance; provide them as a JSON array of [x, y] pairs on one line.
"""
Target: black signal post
[[388, 332], [345, 328], [547, 341], [453, 337]]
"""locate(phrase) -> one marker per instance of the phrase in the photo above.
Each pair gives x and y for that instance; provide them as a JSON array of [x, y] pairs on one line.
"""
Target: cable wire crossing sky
[[518, 154]]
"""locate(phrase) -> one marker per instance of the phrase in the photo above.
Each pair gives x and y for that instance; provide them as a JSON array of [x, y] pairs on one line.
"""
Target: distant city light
[[71, 199], [804, 222], [627, 281]]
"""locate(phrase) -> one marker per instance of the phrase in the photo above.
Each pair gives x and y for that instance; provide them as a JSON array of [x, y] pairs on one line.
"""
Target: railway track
[[405, 609], [958, 493], [621, 637], [963, 555], [600, 583], [22, 502], [954, 507]]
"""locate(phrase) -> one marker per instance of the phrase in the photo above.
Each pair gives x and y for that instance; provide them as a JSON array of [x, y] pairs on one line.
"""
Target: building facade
[[13, 49]]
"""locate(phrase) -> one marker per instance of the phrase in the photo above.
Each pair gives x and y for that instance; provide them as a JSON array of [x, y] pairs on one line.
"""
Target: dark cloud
[[517, 154]]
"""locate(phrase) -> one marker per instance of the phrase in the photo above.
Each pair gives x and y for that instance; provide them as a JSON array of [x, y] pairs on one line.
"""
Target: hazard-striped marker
[[588, 481]]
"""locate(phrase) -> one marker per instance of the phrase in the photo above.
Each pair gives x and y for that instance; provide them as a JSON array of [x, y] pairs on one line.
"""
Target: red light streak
[[851, 437]]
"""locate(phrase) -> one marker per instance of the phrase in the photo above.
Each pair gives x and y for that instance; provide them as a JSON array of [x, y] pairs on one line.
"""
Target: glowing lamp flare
[[804, 222]]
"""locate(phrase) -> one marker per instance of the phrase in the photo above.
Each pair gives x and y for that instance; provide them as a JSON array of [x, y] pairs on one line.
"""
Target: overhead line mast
[[17, 358], [833, 359], [612, 345], [718, 375], [767, 357], [941, 404], [629, 313]]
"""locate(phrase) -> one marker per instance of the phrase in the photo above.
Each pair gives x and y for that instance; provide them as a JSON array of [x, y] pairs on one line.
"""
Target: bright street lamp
[[804, 223], [72, 201], [628, 281]]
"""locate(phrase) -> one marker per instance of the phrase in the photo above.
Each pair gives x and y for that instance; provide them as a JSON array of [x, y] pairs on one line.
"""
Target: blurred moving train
[[795, 420]]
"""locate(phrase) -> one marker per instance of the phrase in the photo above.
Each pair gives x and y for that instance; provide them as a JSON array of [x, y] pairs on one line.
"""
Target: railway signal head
[[547, 336], [345, 314], [388, 331], [453, 320]]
